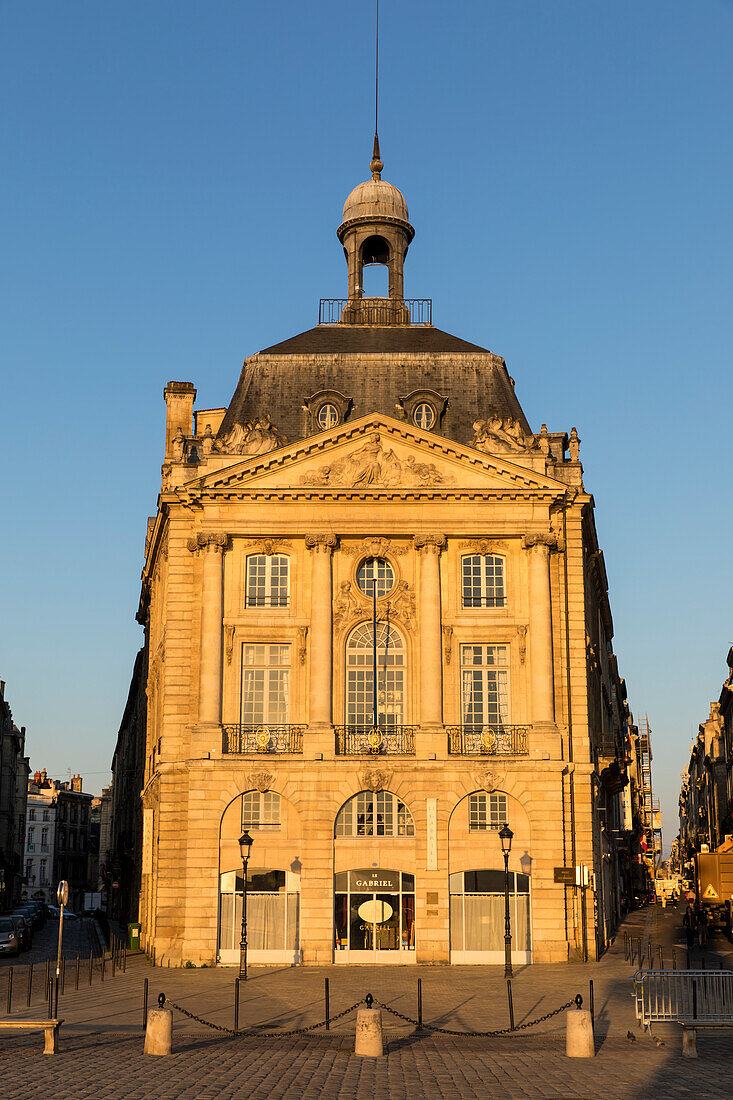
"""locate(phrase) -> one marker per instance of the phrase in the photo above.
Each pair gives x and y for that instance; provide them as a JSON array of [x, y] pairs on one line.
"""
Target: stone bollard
[[689, 1042], [579, 1041], [159, 1029], [369, 1041]]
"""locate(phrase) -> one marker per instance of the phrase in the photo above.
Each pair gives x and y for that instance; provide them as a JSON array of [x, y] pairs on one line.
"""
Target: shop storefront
[[374, 916], [477, 906], [273, 917]]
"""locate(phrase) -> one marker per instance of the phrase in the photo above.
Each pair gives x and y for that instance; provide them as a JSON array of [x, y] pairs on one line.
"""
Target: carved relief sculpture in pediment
[[499, 435], [267, 546], [373, 466], [254, 437]]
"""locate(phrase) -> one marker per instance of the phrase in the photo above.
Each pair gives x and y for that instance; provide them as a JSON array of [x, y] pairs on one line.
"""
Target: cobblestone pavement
[[101, 1040]]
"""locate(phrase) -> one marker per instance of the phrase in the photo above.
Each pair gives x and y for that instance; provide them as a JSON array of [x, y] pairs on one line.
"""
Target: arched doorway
[[477, 881], [273, 880], [374, 898]]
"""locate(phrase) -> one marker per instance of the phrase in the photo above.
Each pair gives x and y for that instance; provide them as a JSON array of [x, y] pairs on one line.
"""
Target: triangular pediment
[[377, 452]]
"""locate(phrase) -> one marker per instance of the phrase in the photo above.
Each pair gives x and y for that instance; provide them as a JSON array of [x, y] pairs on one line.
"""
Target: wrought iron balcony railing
[[375, 740], [375, 311], [262, 739], [498, 740]]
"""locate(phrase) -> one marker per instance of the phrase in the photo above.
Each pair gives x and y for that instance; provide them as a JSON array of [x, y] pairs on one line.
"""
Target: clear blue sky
[[173, 179]]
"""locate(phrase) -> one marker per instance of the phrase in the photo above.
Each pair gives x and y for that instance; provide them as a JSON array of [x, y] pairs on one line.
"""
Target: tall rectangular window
[[482, 581], [44, 872], [265, 684], [484, 685], [268, 580]]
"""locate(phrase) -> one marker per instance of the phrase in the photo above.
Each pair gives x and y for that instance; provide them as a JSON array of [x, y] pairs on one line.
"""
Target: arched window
[[268, 581], [482, 580], [390, 693], [370, 814]]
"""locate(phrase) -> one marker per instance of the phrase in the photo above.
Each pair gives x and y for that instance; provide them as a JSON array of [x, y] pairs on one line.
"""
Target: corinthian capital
[[205, 540], [543, 539], [430, 543], [321, 544]]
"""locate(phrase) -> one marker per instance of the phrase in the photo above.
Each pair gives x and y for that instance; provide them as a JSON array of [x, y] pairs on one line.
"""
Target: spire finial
[[376, 164]]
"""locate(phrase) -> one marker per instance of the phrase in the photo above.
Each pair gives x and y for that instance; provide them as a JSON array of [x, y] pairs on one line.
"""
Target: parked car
[[24, 930], [32, 915], [9, 943]]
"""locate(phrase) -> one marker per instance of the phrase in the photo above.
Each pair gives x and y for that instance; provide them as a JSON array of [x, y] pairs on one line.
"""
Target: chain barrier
[[253, 1031], [478, 1034], [249, 1032]]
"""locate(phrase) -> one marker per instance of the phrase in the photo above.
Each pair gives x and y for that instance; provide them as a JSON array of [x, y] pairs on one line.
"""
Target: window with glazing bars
[[486, 811], [482, 581], [380, 814], [268, 580], [265, 684], [360, 676], [484, 685], [260, 810]]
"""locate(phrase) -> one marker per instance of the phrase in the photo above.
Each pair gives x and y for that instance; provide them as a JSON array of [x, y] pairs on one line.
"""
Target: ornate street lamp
[[245, 844], [505, 836]]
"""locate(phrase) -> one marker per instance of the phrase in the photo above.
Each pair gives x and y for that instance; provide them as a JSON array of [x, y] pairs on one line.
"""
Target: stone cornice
[[392, 428]]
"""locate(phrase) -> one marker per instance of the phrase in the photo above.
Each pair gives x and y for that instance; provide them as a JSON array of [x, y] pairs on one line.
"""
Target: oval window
[[328, 416], [375, 574], [424, 415]]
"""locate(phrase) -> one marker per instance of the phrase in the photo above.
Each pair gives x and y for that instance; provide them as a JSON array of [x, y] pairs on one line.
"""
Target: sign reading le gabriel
[[374, 879]]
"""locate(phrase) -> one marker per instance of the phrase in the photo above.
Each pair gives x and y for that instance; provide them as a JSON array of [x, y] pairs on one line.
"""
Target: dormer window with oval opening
[[326, 409], [424, 416], [327, 417], [423, 408]]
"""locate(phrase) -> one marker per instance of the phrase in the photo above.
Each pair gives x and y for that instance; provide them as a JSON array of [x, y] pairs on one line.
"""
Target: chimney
[[37, 778], [76, 783], [43, 777], [179, 399]]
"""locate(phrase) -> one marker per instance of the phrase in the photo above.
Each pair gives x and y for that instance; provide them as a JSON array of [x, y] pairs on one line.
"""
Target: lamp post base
[[508, 957]]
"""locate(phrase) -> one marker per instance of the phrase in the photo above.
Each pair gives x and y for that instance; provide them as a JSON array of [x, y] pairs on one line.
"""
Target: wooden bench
[[50, 1027], [690, 1029]]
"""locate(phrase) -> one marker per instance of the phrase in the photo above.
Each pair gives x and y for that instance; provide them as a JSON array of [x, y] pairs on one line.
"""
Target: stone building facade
[[706, 795], [40, 839], [377, 627], [14, 770]]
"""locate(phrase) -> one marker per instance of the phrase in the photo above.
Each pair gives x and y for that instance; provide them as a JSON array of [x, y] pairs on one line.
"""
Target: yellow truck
[[714, 873]]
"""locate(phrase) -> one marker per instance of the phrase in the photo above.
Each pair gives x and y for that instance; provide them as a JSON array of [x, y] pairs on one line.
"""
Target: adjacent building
[[58, 839], [706, 795], [377, 629], [40, 839], [13, 776]]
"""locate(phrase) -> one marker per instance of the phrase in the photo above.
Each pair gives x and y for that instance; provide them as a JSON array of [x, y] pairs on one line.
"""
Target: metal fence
[[375, 311], [669, 996], [262, 739], [375, 740], [497, 740]]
